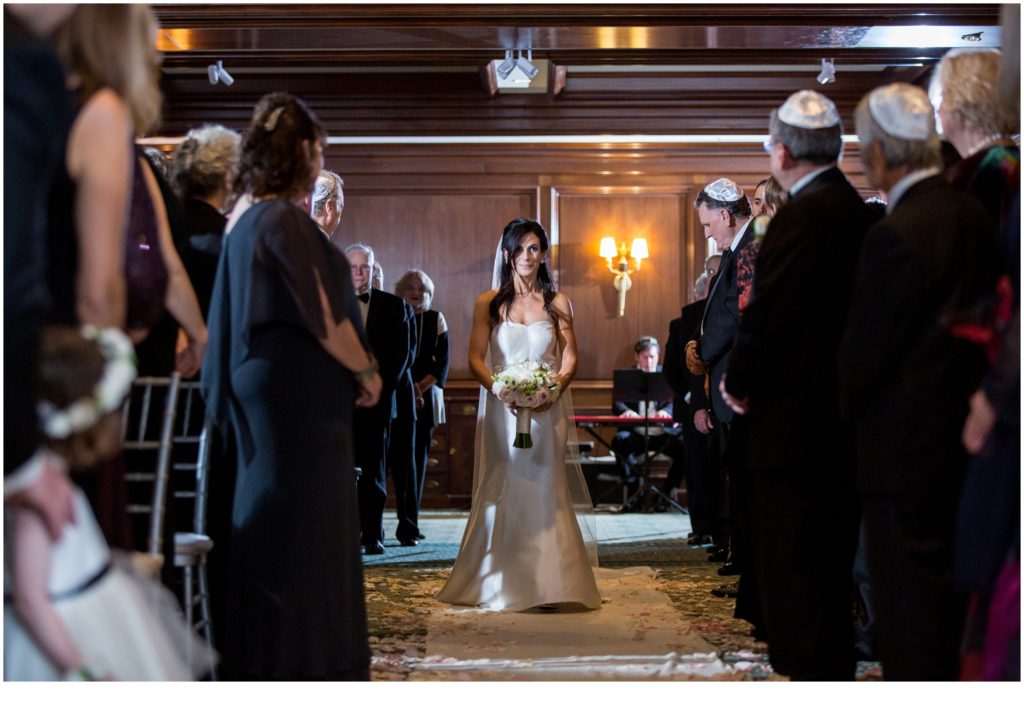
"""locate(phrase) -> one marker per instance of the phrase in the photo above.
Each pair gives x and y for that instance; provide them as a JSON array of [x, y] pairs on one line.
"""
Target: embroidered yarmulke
[[809, 110], [903, 110], [724, 190]]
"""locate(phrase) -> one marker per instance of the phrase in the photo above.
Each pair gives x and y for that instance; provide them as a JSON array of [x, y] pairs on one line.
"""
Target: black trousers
[[421, 451], [741, 522], [718, 483], [402, 466], [804, 544], [629, 443], [371, 433], [695, 448], [918, 614]]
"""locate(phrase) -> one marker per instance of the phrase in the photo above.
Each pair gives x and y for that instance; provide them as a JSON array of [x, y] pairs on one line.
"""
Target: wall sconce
[[622, 268]]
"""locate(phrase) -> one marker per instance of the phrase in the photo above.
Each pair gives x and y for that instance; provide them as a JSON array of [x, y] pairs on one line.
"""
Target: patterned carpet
[[401, 583]]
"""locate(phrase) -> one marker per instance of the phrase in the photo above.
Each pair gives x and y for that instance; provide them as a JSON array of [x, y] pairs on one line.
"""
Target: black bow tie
[[365, 297]]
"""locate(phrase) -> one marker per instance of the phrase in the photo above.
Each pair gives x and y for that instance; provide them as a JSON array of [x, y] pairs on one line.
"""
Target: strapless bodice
[[512, 342]]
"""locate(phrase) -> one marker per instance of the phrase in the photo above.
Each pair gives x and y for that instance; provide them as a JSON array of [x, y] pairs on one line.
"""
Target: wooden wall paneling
[[585, 215], [451, 234]]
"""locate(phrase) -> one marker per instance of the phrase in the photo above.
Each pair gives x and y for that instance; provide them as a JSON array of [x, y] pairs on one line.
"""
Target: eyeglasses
[[769, 145]]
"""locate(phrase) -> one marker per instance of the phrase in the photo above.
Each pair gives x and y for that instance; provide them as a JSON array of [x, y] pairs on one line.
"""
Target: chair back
[[147, 428], [191, 459]]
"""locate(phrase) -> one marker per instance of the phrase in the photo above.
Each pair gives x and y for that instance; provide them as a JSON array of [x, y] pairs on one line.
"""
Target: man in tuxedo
[[907, 376], [629, 445], [724, 213], [783, 376], [386, 320], [689, 397]]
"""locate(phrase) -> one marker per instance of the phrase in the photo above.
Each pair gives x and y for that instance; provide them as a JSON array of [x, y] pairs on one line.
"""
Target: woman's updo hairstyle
[[273, 160]]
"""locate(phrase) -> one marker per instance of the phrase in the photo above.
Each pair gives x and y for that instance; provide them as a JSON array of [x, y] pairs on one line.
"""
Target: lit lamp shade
[[608, 249], [639, 249]]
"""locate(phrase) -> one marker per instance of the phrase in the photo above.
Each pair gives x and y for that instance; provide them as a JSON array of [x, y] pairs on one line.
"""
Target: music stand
[[631, 386]]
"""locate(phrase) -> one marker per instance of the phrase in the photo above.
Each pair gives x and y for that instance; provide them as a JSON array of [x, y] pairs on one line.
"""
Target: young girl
[[69, 611]]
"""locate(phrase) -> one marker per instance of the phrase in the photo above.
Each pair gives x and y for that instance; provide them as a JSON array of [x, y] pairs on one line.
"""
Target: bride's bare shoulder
[[562, 304]]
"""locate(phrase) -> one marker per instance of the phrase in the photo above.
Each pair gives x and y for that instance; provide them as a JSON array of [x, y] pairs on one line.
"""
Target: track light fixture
[[828, 71], [218, 74], [526, 65], [507, 66]]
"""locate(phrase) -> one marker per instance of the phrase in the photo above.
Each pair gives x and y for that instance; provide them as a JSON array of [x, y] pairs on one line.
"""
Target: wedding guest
[[978, 113], [286, 364], [387, 329], [783, 376], [906, 379], [775, 196], [757, 203], [429, 369], [400, 461], [724, 214], [37, 116], [328, 201], [689, 397], [107, 259], [204, 164]]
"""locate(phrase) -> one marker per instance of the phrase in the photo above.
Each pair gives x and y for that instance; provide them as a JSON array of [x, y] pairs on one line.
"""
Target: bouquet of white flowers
[[525, 385]]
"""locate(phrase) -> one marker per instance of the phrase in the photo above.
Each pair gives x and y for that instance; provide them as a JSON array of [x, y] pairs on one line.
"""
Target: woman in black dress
[[287, 362]]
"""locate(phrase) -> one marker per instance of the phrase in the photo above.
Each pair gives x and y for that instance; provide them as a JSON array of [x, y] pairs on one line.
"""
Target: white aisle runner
[[637, 634]]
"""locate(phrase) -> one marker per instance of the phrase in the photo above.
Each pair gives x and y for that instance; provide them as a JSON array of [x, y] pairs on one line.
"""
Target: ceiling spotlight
[[828, 72], [526, 65], [217, 74], [506, 66], [972, 37]]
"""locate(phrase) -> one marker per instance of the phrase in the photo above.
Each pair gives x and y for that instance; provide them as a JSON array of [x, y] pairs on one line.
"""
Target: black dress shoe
[[718, 555], [697, 539], [375, 548], [724, 592], [408, 542], [420, 536], [728, 569]]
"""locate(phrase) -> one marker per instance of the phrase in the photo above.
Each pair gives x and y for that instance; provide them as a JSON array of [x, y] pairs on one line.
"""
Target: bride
[[529, 541]]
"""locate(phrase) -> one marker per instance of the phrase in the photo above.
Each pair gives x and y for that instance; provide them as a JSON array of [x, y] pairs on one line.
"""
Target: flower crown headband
[[108, 394]]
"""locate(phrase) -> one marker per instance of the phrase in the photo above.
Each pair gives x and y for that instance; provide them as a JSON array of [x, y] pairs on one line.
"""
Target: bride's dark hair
[[514, 232]]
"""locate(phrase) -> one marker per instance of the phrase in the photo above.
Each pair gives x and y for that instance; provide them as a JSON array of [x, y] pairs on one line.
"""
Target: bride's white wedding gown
[[523, 546]]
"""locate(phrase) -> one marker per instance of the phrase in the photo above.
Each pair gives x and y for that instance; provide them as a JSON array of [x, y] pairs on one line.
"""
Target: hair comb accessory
[[271, 122]]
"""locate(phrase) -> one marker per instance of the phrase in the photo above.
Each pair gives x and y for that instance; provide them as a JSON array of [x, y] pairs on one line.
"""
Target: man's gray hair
[[896, 152], [328, 186], [817, 146], [700, 287], [365, 248]]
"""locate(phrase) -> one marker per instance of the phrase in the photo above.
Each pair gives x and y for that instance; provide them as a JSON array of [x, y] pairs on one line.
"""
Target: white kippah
[[809, 110], [724, 190], [903, 111]]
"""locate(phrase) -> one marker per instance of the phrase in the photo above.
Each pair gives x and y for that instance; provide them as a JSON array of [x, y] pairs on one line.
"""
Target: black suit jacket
[[721, 317], [387, 330], [405, 395], [784, 359], [681, 331], [906, 378]]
